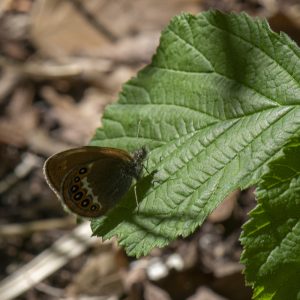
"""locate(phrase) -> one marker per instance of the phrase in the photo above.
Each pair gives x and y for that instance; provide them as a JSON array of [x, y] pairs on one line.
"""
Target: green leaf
[[218, 102], [271, 238]]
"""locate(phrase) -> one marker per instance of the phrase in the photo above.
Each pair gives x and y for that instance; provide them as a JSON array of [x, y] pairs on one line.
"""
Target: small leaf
[[218, 102], [271, 238]]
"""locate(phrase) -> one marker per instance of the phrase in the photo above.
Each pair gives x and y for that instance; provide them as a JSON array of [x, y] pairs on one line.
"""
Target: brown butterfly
[[90, 180]]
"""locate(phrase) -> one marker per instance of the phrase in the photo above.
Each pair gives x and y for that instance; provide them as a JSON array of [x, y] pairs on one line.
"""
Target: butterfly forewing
[[59, 164]]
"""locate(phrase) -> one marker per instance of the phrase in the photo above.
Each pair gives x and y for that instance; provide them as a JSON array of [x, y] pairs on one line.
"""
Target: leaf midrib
[[225, 165]]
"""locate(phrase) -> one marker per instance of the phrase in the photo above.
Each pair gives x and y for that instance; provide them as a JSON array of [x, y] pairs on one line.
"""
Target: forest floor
[[61, 63]]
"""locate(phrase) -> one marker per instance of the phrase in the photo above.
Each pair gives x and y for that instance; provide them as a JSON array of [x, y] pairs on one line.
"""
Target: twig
[[28, 163], [49, 290], [53, 69], [46, 263], [9, 80], [30, 227], [93, 21]]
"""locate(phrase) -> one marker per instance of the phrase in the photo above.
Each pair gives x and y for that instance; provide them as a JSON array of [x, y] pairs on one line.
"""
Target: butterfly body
[[90, 180]]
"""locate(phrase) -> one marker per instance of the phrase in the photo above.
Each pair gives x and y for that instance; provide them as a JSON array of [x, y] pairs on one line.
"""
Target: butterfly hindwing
[[91, 189]]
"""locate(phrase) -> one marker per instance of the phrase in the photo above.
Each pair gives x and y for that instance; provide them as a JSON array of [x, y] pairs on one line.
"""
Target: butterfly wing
[[89, 180]]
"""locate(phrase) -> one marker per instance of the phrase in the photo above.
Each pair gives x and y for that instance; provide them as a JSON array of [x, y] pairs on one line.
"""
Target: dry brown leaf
[[100, 276], [224, 210], [153, 292]]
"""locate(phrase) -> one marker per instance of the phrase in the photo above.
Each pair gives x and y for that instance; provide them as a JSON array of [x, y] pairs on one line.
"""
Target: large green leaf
[[271, 237], [218, 102]]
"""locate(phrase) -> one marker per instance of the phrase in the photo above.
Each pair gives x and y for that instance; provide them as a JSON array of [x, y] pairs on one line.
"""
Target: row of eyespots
[[85, 203], [76, 187]]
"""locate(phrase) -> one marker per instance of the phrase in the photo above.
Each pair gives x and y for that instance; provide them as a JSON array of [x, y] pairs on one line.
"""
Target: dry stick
[[52, 69], [93, 20], [66, 68], [36, 226], [49, 290], [28, 163], [9, 79], [46, 263]]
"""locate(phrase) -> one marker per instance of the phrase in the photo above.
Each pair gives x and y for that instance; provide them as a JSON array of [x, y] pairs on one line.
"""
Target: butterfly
[[90, 180]]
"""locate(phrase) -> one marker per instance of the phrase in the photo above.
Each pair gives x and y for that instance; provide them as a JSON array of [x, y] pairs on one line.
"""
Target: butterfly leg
[[136, 199], [146, 168]]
